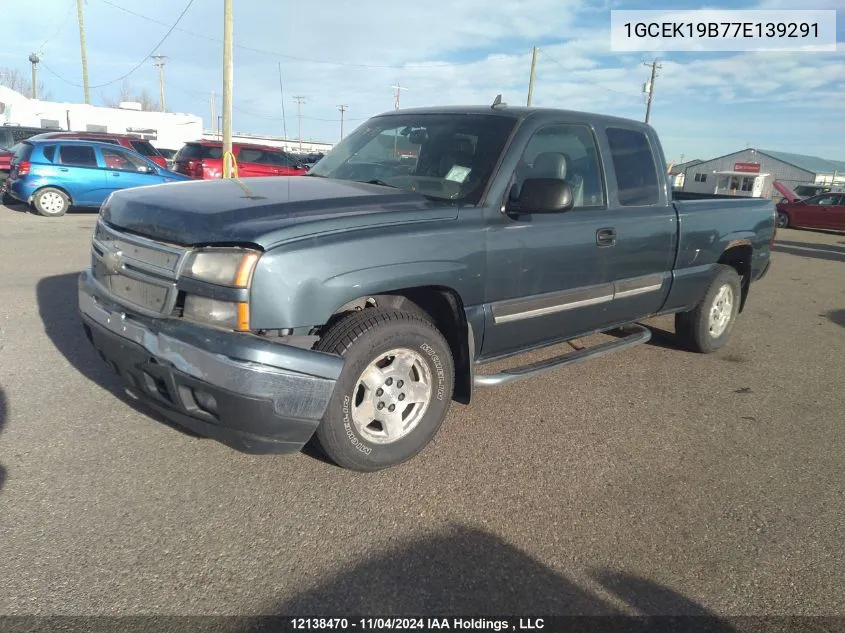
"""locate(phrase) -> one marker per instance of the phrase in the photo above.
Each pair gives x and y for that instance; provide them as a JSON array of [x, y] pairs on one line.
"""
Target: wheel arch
[[444, 308], [738, 255], [58, 188]]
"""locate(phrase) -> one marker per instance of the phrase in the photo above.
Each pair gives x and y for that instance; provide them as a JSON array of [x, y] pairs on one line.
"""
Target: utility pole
[[213, 114], [159, 62], [299, 101], [282, 95], [342, 109], [81, 19], [228, 78], [648, 88], [531, 77], [397, 94], [34, 59]]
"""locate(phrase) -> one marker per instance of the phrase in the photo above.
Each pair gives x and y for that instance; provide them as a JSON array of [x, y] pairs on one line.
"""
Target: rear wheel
[[393, 393], [51, 202], [707, 327]]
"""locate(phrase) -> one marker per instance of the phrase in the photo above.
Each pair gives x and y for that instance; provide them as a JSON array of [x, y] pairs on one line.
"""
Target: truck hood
[[263, 211]]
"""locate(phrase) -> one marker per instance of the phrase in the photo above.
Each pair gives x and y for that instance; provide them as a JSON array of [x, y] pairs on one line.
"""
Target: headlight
[[228, 314], [223, 266]]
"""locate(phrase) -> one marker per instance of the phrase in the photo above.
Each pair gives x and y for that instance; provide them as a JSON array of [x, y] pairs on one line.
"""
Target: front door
[[547, 276], [605, 262], [124, 170]]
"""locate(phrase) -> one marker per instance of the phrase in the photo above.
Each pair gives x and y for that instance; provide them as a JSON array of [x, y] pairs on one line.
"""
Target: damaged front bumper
[[252, 395]]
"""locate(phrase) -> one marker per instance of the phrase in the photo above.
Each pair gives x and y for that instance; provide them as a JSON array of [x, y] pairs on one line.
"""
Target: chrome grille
[[135, 270]]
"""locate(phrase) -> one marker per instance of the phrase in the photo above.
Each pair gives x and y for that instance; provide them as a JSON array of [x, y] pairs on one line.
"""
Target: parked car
[[203, 160], [54, 174], [354, 304], [10, 136], [169, 155], [139, 145], [823, 211]]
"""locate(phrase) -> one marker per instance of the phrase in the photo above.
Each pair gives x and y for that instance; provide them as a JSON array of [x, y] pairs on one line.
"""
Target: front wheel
[[393, 393], [51, 202], [708, 326], [783, 220]]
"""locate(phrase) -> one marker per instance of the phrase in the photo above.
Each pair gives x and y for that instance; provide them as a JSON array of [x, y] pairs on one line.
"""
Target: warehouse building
[[751, 172], [162, 129], [677, 173]]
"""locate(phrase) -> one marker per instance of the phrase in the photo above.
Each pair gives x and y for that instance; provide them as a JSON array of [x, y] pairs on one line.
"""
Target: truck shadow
[[461, 570], [58, 309], [4, 413], [827, 252], [837, 316]]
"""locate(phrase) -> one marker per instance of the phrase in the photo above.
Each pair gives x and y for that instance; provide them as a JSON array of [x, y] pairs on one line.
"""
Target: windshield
[[444, 156]]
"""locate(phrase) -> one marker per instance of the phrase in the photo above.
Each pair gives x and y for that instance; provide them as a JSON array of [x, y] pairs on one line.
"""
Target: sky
[[443, 52]]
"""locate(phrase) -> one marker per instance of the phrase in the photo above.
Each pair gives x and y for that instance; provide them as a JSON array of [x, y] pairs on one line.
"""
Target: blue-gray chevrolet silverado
[[350, 306]]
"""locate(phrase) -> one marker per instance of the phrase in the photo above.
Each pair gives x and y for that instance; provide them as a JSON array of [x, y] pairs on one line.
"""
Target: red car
[[144, 148], [822, 211], [202, 160]]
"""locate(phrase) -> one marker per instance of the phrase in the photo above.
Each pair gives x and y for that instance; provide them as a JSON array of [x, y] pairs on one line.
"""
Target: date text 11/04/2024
[[416, 624], [742, 30]]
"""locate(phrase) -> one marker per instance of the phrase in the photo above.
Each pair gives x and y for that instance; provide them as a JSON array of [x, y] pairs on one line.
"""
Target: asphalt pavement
[[655, 481]]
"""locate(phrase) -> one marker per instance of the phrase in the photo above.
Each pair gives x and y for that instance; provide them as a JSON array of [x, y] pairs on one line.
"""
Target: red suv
[[130, 142], [202, 160]]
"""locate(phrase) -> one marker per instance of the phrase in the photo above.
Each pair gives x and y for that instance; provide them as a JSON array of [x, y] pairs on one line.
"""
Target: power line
[[139, 64], [586, 81], [62, 24], [274, 53]]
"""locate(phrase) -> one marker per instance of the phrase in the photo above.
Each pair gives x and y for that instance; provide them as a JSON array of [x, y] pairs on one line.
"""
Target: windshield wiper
[[380, 182]]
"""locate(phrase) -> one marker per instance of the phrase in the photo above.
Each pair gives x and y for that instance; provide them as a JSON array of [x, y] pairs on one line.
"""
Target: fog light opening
[[206, 401]]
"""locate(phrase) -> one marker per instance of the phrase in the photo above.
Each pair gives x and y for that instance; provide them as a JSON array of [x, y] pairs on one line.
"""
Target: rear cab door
[[639, 229], [79, 173]]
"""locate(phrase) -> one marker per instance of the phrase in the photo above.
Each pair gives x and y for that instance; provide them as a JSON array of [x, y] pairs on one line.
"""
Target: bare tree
[[19, 82], [128, 92]]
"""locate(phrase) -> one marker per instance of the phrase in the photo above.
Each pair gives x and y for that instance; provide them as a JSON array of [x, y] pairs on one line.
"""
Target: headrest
[[551, 165]]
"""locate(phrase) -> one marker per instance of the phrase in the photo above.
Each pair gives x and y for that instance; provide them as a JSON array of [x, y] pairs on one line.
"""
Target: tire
[[696, 330], [783, 220], [51, 202], [349, 433]]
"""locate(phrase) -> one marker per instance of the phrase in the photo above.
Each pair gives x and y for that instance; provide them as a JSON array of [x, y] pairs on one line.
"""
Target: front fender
[[301, 285]]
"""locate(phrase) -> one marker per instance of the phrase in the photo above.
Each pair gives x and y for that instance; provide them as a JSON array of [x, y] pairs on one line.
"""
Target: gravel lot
[[655, 481]]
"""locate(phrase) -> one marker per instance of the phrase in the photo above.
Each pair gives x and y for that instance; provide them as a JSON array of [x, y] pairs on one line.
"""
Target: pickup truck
[[349, 307]]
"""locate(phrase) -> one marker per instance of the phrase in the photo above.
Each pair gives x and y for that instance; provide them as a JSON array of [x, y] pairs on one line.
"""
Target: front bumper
[[252, 395]]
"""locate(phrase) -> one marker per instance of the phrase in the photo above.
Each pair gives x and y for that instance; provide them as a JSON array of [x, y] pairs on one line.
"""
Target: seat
[[460, 153], [557, 165]]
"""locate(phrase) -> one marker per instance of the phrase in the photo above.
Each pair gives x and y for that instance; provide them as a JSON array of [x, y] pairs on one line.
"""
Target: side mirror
[[543, 195]]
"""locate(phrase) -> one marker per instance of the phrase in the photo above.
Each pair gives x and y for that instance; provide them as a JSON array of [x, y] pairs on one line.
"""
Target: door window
[[633, 161], [80, 155], [823, 200], [247, 155], [568, 152], [122, 161]]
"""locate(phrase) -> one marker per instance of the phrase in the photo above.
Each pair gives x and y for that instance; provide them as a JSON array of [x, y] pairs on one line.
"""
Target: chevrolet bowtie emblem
[[113, 261]]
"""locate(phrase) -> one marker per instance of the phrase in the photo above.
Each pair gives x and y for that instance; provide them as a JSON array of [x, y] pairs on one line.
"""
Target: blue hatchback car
[[54, 174]]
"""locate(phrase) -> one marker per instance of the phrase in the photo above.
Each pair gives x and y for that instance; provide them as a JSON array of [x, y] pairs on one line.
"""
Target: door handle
[[606, 237], [63, 169], [114, 173]]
